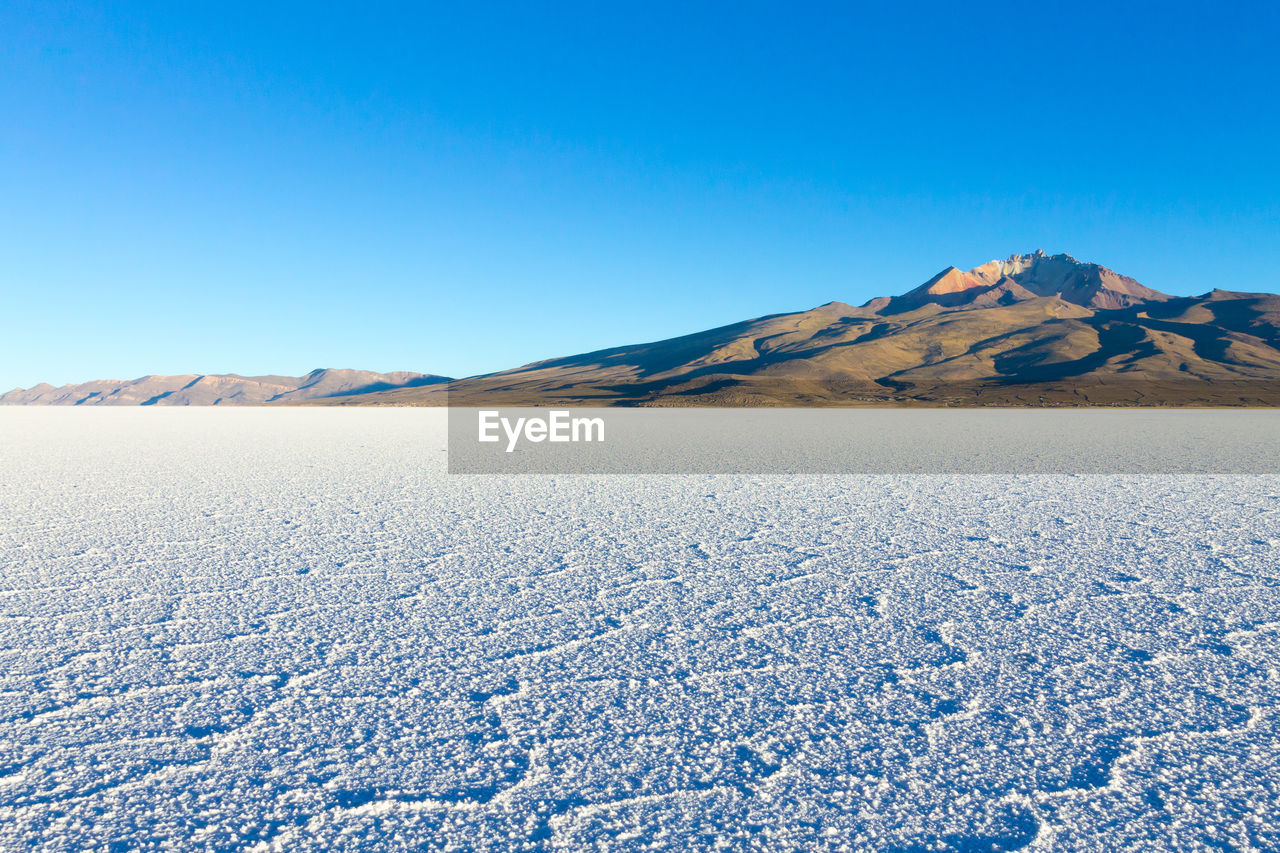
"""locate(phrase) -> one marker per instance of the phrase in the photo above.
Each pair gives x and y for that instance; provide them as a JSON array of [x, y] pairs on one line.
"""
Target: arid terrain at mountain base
[[1031, 330]]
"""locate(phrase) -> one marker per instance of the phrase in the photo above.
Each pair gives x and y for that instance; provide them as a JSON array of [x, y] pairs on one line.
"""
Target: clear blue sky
[[269, 188]]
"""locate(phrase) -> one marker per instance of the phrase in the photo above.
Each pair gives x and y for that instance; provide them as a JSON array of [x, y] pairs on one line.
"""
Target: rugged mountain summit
[[1026, 277], [215, 390]]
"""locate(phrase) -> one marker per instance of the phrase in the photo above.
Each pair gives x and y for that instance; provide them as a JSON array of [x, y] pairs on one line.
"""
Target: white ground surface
[[230, 629]]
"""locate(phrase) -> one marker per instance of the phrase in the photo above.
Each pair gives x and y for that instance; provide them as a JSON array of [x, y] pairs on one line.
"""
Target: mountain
[[1034, 329], [218, 390], [1023, 277]]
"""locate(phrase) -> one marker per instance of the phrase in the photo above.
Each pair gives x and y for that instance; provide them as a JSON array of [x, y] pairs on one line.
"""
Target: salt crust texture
[[291, 630]]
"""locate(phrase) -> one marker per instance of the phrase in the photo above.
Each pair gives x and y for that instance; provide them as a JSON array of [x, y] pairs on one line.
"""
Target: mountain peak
[[950, 280], [1036, 274]]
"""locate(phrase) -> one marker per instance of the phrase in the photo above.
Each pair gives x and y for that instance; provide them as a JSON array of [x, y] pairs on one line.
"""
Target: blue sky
[[269, 188]]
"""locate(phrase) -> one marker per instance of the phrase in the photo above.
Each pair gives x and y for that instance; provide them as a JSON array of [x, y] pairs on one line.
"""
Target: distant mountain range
[[218, 390], [1034, 329]]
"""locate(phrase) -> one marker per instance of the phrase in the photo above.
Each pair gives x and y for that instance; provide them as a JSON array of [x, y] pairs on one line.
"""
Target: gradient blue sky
[[269, 188]]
